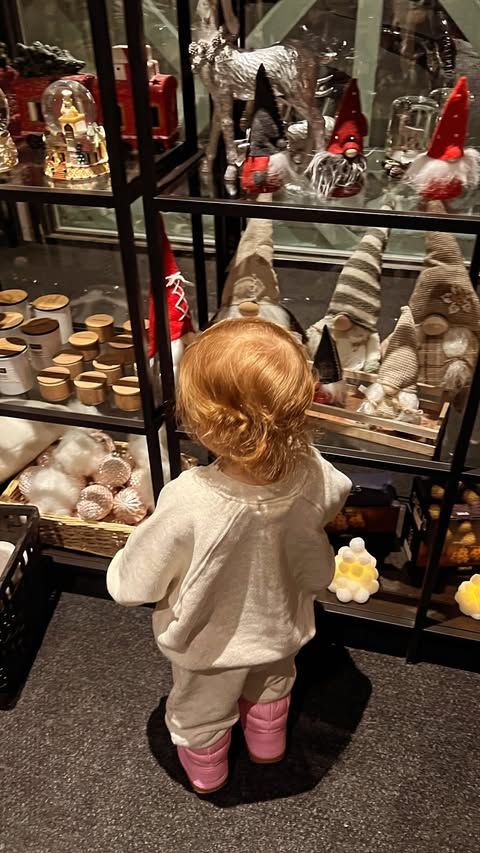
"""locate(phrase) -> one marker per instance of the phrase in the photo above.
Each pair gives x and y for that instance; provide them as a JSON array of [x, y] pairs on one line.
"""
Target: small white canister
[[14, 300], [56, 306], [43, 337], [16, 375]]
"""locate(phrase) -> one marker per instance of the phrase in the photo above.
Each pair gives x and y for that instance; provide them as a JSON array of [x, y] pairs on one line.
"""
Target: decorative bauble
[[141, 481], [95, 502], [103, 439], [128, 507], [44, 458], [113, 471], [26, 479]]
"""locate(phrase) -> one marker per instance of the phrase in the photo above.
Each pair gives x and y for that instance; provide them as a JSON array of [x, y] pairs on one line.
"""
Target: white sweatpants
[[202, 706]]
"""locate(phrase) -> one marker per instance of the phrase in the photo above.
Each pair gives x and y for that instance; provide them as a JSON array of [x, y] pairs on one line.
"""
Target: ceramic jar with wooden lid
[[91, 387], [126, 393], [43, 337], [86, 343], [55, 384], [10, 323], [127, 326], [109, 364], [16, 376], [102, 325], [14, 300], [122, 346], [56, 306], [70, 359]]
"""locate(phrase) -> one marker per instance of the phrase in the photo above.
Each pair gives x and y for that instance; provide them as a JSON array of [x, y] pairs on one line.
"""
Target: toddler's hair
[[244, 389]]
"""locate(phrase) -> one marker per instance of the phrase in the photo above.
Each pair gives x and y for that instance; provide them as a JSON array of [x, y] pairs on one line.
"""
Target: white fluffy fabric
[[458, 341], [280, 168], [457, 376], [55, 492], [77, 453], [426, 174]]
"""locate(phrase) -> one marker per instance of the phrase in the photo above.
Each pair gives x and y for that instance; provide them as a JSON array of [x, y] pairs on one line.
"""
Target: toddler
[[235, 552]]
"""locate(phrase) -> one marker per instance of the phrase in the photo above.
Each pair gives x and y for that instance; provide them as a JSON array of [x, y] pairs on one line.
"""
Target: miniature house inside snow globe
[[75, 143], [8, 151]]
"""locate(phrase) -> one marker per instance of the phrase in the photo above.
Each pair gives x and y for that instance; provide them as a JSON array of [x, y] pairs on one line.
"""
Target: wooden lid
[[10, 319], [90, 379], [67, 359], [11, 346], [121, 343], [12, 297], [83, 340], [52, 376], [97, 321], [127, 386], [40, 326], [51, 302], [107, 361], [127, 325]]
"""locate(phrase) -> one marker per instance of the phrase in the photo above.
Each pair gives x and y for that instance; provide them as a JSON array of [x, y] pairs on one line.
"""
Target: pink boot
[[207, 768], [265, 729]]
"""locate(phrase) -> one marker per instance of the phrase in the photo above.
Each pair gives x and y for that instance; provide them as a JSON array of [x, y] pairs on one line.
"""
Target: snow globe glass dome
[[75, 143], [8, 151], [412, 121]]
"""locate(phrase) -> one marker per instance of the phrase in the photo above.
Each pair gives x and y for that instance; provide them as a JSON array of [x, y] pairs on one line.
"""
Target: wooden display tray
[[423, 438]]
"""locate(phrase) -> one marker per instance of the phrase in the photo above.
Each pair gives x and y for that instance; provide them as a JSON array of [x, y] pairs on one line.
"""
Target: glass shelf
[[446, 616], [189, 190]]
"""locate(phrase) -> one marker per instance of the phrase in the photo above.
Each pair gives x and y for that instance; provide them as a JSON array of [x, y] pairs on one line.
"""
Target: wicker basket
[[26, 599], [104, 538]]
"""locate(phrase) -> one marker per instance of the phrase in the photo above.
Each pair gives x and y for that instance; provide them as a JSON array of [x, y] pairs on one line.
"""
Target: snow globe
[[412, 121], [8, 151], [75, 143]]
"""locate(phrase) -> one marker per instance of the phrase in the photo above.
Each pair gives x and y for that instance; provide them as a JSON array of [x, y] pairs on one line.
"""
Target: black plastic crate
[[25, 600]]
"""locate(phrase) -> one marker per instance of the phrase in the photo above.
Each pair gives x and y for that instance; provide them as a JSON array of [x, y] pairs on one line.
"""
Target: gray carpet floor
[[382, 756]]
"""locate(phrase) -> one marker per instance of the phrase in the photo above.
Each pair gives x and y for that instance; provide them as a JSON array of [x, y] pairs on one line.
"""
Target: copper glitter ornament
[[113, 471], [128, 508], [95, 502], [25, 479], [103, 439]]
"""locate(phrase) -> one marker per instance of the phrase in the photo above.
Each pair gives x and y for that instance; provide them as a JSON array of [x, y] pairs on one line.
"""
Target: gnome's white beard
[[327, 172], [402, 406], [432, 178]]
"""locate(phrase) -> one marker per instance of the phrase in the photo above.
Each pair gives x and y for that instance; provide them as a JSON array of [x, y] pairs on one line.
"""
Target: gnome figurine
[[447, 168], [330, 387], [354, 308], [340, 170], [394, 395], [251, 288], [446, 311], [179, 318], [267, 166]]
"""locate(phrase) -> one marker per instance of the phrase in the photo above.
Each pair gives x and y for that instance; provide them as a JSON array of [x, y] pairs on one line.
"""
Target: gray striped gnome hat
[[357, 292]]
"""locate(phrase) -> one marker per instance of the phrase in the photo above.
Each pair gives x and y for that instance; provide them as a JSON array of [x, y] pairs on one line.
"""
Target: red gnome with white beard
[[447, 169]]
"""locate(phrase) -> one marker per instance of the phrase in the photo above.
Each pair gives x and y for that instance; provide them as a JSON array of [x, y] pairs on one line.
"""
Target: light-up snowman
[[356, 575]]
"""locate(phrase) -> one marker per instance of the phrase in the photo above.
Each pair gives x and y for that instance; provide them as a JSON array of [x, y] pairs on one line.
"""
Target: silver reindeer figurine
[[229, 74]]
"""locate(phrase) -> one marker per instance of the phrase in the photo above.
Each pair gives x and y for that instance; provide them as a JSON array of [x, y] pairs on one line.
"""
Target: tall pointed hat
[[399, 368], [326, 360], [179, 318]]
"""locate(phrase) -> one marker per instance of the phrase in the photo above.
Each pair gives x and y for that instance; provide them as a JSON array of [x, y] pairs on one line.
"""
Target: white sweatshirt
[[233, 568]]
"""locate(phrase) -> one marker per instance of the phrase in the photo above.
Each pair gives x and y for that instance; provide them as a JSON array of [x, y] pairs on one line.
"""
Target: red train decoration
[[25, 100]]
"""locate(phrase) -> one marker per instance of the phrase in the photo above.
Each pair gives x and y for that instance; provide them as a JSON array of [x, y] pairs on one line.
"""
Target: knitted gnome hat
[[326, 361], [251, 277], [179, 319], [399, 368], [267, 127], [448, 138], [350, 125], [357, 293], [443, 286]]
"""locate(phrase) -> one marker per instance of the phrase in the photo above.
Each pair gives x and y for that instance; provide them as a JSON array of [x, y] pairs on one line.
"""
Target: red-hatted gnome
[[447, 169], [179, 318], [267, 166], [340, 170]]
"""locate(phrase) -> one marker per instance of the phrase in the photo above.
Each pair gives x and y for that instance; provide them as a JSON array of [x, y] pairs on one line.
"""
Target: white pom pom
[[55, 492], [357, 545], [457, 376], [361, 595], [344, 595], [457, 341], [348, 555], [77, 453], [374, 392]]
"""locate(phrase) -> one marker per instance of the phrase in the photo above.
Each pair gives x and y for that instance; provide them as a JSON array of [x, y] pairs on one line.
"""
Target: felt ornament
[[331, 387], [141, 481], [179, 318], [340, 170], [354, 308], [54, 492], [267, 166], [467, 597], [77, 453], [128, 507], [394, 395], [356, 575], [95, 502], [447, 169], [251, 288], [113, 471], [446, 311]]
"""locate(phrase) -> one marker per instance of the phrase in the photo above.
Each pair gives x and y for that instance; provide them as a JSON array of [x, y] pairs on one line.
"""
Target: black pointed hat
[[267, 126], [326, 361]]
